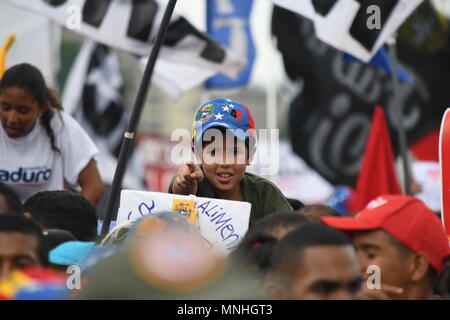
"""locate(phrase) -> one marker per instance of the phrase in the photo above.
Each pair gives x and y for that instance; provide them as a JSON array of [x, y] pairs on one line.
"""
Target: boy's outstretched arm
[[188, 177]]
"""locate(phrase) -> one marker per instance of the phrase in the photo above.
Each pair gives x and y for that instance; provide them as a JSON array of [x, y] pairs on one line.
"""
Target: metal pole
[[127, 144], [402, 139]]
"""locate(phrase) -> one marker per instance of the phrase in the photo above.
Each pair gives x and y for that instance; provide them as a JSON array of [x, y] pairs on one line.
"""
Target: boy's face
[[224, 163]]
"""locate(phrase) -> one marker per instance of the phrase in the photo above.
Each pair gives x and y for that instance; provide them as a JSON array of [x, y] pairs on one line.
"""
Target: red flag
[[377, 175], [427, 148]]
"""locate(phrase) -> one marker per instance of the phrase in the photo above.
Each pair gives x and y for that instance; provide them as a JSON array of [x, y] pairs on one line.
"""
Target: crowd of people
[[395, 248]]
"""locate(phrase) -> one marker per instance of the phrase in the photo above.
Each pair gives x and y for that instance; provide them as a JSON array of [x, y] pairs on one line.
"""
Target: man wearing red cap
[[404, 239]]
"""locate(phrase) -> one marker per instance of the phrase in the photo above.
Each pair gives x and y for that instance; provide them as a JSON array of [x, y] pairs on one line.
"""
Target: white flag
[[358, 27], [132, 26], [187, 76], [93, 96]]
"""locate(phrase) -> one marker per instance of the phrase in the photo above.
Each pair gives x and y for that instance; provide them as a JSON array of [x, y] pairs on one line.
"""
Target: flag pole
[[402, 138], [129, 135]]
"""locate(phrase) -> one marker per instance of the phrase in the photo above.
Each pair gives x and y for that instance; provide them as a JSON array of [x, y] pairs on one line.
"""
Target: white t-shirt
[[29, 165]]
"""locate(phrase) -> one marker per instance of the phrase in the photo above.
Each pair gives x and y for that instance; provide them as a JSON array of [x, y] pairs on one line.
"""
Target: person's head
[[317, 211], [9, 200], [157, 223], [55, 237], [25, 99], [224, 141], [277, 224], [163, 263], [403, 238], [255, 253], [64, 210], [70, 253], [22, 244], [399, 266], [314, 262]]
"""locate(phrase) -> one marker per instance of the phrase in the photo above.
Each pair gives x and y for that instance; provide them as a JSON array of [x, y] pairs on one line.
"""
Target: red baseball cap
[[407, 219]]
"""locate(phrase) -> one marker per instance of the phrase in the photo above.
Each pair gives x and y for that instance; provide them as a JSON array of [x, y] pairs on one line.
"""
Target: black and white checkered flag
[[358, 27], [187, 57]]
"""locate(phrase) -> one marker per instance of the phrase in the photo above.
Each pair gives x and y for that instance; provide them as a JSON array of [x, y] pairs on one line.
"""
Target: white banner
[[133, 25], [222, 223]]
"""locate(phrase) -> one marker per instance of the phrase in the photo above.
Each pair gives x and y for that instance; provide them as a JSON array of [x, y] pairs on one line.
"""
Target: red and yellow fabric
[[35, 282]]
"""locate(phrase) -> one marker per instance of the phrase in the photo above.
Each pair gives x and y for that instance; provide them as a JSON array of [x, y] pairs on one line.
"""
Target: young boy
[[224, 139]]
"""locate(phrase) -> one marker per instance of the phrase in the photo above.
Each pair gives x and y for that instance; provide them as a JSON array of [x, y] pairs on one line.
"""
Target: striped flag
[[358, 27]]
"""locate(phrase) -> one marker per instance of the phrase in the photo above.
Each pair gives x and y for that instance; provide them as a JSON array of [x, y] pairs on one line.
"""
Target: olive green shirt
[[263, 195]]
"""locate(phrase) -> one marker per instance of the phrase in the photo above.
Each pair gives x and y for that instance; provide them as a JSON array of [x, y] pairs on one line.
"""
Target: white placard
[[222, 222]]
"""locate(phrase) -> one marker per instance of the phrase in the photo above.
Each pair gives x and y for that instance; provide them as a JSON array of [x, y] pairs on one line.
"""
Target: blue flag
[[382, 60], [228, 22]]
